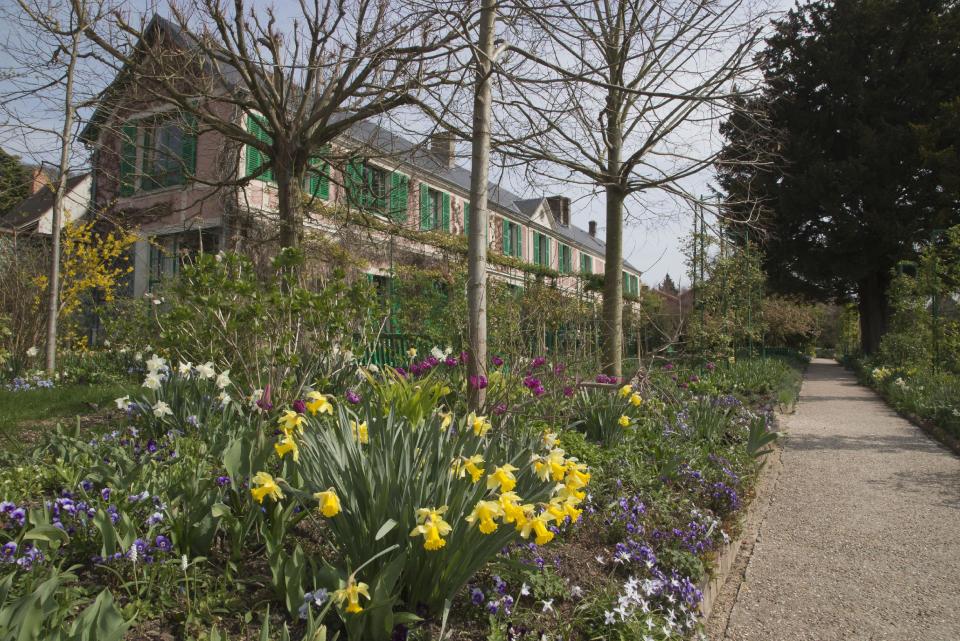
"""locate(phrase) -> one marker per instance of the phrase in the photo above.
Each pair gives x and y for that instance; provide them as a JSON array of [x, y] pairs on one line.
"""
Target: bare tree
[[304, 80], [41, 105], [623, 92]]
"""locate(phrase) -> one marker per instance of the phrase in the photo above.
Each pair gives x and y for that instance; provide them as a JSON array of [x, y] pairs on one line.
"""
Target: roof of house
[[417, 155], [29, 212], [382, 139]]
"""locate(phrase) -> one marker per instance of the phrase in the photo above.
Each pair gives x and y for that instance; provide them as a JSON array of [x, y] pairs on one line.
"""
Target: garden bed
[[378, 506]]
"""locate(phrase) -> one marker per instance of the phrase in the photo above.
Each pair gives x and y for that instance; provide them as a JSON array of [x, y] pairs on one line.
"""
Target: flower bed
[[380, 507], [922, 394]]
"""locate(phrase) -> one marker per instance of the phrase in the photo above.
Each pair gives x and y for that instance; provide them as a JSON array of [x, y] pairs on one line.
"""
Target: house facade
[[154, 172]]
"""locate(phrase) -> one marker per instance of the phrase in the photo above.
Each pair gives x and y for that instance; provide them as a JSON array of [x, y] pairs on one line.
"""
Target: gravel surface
[[862, 538]]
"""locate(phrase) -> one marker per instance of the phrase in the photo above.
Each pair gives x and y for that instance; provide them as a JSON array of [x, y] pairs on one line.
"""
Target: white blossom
[[152, 381], [122, 402], [161, 409], [206, 370], [33, 351], [223, 380]]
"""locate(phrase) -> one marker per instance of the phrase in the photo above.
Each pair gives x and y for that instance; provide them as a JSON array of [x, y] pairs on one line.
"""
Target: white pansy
[[206, 370], [223, 380], [152, 381], [184, 369], [33, 351], [122, 403], [547, 605], [161, 409], [437, 353], [524, 590]]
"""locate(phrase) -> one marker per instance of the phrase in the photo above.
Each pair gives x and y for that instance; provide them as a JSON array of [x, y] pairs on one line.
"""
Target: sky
[[653, 233]]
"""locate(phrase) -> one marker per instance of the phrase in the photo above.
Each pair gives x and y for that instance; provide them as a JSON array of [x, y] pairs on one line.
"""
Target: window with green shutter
[[541, 249], [564, 258], [255, 158], [399, 194], [318, 175], [512, 239], [128, 160], [586, 263], [367, 186], [466, 218], [157, 152], [434, 209]]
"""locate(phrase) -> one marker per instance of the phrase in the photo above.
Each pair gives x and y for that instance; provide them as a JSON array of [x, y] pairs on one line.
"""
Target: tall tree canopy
[[853, 164], [14, 182]]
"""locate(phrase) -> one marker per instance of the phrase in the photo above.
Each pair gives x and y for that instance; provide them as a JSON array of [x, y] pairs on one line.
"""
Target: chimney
[[38, 180], [593, 228], [444, 146], [560, 206]]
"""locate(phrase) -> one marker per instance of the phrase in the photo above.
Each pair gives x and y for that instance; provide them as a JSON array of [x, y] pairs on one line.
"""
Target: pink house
[[152, 171]]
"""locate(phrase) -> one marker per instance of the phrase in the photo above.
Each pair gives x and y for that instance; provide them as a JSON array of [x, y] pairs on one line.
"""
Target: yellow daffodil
[[351, 596], [513, 511], [319, 404], [560, 508], [446, 418], [290, 421], [636, 400], [479, 424], [538, 525], [360, 432], [468, 465], [549, 439], [287, 444], [432, 526], [577, 475], [485, 512], [329, 502], [624, 421], [502, 478], [412, 352], [266, 485], [626, 391]]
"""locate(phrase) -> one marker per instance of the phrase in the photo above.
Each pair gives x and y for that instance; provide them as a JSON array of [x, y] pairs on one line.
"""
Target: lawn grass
[[20, 410]]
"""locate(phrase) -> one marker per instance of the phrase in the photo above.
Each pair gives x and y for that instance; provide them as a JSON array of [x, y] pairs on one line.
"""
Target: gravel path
[[862, 537]]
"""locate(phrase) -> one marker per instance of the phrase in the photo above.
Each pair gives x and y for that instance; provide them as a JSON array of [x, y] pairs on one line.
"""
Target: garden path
[[861, 540]]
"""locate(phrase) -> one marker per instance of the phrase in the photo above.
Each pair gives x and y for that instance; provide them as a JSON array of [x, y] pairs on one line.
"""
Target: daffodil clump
[[185, 396], [402, 469]]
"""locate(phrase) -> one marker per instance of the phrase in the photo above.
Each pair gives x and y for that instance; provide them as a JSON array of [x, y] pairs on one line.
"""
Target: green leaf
[[47, 533], [385, 529]]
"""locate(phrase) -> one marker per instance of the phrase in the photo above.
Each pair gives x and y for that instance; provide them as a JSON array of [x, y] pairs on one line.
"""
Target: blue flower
[[163, 543]]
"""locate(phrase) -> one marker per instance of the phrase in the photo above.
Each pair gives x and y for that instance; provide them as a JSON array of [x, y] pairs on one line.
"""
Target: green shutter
[[399, 184], [446, 213], [188, 150], [254, 159], [425, 213], [353, 181], [546, 259], [319, 182], [536, 248], [128, 160], [466, 218], [506, 237], [519, 248]]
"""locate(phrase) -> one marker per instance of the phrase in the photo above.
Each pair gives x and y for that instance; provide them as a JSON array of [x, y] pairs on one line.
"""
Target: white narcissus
[[161, 409]]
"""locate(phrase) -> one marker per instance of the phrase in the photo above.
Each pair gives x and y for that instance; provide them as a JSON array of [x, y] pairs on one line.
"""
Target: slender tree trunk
[[874, 310], [477, 233], [53, 302], [612, 313]]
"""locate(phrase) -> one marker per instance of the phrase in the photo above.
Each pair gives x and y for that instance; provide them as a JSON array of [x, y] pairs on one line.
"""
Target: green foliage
[[728, 315], [854, 179], [266, 329], [14, 182]]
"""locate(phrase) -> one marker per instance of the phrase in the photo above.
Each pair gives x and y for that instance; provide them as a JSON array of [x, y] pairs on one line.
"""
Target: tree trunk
[[612, 313], [477, 243], [289, 204], [874, 310], [53, 300]]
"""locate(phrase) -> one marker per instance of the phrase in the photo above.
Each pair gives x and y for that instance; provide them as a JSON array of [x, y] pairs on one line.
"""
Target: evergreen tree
[[853, 159], [14, 182]]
